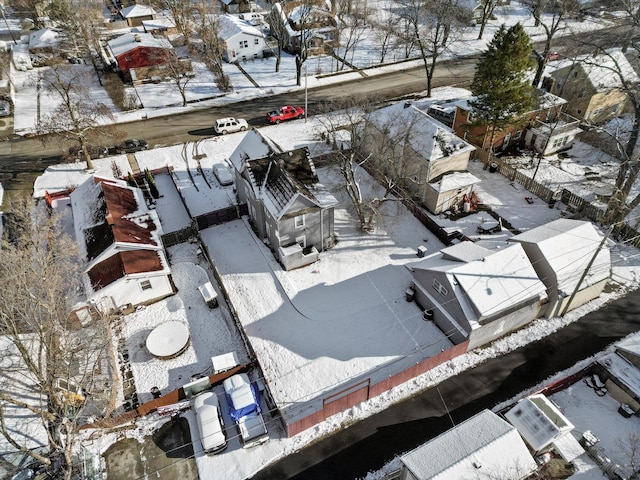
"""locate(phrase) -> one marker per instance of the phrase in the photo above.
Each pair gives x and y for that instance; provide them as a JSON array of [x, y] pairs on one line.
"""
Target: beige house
[[561, 251], [594, 92], [425, 156], [475, 294]]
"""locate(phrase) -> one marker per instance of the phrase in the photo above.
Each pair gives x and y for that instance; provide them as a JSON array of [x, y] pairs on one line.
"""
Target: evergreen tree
[[500, 85]]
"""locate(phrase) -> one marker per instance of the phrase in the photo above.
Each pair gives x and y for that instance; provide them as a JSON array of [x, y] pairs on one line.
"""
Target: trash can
[[409, 294], [493, 167], [155, 391], [428, 315]]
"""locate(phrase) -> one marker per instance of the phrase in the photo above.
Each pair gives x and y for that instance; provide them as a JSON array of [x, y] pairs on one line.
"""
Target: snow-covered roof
[[630, 345], [253, 145], [410, 125], [44, 38], [568, 246], [464, 252], [482, 447], [159, 24], [130, 41], [603, 70], [454, 181], [107, 211], [231, 25], [539, 421], [621, 368], [491, 284], [137, 11]]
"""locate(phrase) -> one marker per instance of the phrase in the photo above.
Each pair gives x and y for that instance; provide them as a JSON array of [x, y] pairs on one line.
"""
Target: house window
[[597, 111], [441, 289], [558, 142], [615, 109], [517, 135], [244, 44], [302, 241], [145, 285], [470, 116], [256, 41], [299, 221], [127, 58], [466, 134]]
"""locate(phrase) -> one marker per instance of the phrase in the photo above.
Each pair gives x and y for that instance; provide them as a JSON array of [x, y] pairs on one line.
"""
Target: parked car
[[244, 407], [230, 125], [130, 146], [210, 423], [222, 173], [552, 55], [285, 113], [5, 109]]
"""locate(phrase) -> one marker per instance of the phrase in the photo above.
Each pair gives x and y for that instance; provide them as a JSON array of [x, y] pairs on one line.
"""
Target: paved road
[[369, 444]]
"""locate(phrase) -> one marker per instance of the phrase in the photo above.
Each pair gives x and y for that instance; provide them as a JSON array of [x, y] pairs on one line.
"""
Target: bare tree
[[278, 24], [82, 23], [210, 47], [435, 26], [488, 6], [623, 200], [378, 145], [385, 27], [78, 117], [51, 362], [177, 69], [32, 9], [551, 15], [182, 14], [353, 21]]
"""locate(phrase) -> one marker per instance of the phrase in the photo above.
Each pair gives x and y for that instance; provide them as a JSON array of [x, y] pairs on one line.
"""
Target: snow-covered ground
[[164, 98], [356, 261]]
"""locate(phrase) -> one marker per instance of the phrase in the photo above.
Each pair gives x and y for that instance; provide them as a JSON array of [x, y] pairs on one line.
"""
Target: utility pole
[[306, 94]]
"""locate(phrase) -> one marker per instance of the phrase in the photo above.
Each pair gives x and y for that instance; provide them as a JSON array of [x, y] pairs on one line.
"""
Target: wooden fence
[[221, 216], [541, 191]]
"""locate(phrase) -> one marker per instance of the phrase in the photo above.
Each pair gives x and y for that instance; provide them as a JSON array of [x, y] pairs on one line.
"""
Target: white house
[[119, 237], [560, 252], [544, 427], [242, 41], [477, 294], [484, 447]]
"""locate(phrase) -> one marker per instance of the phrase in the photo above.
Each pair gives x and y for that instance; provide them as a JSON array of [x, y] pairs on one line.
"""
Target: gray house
[[287, 204], [477, 295], [560, 252]]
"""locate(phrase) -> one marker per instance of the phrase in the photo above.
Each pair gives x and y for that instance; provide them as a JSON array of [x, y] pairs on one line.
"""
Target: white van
[[210, 423]]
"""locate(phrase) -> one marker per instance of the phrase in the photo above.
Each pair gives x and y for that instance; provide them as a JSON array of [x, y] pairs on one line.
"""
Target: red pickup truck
[[285, 113]]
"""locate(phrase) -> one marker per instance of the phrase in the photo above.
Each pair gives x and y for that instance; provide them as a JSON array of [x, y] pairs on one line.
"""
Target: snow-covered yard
[[350, 299]]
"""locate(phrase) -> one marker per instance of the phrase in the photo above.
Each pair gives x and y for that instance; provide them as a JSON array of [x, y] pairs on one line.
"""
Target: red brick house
[[137, 53], [545, 128]]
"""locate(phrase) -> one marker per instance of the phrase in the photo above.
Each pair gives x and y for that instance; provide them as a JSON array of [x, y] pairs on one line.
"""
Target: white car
[[222, 173], [210, 422], [230, 125]]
